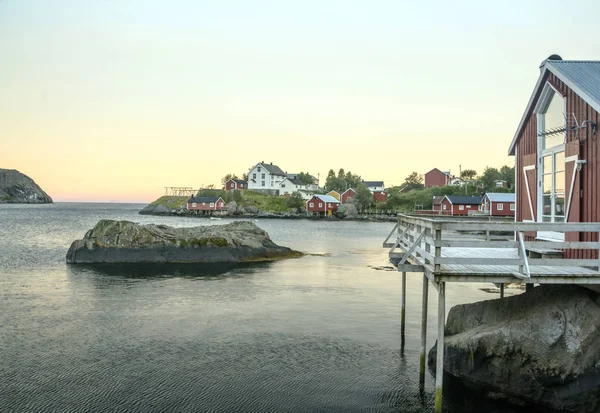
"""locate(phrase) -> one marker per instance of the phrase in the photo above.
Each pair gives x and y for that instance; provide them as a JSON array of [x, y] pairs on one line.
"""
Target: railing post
[[598, 252], [403, 311], [438, 249], [427, 244]]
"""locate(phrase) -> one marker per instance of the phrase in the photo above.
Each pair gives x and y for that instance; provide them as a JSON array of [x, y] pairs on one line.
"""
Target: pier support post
[[501, 290], [439, 365], [403, 314], [423, 332]]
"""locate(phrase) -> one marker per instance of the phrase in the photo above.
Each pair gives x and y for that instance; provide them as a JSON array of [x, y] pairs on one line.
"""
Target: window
[[204, 203], [500, 207], [193, 205], [468, 206], [461, 207], [253, 176], [551, 121], [283, 185], [259, 169], [480, 208], [444, 207], [212, 204], [512, 207], [263, 176], [320, 204], [311, 204], [329, 205], [263, 183]]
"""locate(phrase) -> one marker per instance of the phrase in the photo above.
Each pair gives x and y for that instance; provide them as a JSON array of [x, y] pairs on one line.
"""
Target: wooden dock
[[447, 249]]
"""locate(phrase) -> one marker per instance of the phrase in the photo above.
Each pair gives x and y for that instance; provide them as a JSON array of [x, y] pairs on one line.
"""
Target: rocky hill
[[18, 188]]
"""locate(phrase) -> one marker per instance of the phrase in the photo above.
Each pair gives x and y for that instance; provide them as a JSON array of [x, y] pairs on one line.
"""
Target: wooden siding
[[589, 176], [435, 177]]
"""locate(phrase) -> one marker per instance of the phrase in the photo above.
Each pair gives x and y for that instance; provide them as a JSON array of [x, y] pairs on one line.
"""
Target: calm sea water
[[319, 334]]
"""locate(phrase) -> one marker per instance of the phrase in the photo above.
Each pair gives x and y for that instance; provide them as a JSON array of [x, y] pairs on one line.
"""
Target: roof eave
[[511, 149]]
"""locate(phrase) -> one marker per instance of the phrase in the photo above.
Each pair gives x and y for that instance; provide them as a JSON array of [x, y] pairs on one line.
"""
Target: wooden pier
[[447, 249]]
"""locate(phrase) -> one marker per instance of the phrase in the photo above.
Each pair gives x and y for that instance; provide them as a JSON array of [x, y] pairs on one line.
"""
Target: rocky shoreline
[[122, 242], [251, 212], [18, 188]]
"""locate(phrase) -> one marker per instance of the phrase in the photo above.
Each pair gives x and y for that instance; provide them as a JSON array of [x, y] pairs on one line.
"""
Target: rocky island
[[127, 242], [540, 348], [17, 188]]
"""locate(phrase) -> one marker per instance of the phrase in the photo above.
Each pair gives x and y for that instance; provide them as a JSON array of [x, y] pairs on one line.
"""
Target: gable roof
[[273, 169], [237, 181], [296, 182], [436, 169], [349, 189], [500, 197], [437, 199], [581, 76], [464, 199], [373, 183], [326, 198], [200, 199], [333, 190]]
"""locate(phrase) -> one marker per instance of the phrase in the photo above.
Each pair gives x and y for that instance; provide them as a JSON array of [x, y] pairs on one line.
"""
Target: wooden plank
[[514, 244], [410, 268], [521, 226]]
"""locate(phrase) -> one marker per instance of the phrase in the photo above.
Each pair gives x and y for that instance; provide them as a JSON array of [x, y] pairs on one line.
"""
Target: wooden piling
[[501, 290], [439, 366], [403, 314], [423, 331]]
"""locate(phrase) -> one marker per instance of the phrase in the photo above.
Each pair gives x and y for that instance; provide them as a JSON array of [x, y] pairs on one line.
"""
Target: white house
[[265, 176], [374, 186], [291, 185], [311, 187]]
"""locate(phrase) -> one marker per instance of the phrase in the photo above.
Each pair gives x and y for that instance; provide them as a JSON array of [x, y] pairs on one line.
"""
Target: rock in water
[[541, 347], [126, 242], [20, 189]]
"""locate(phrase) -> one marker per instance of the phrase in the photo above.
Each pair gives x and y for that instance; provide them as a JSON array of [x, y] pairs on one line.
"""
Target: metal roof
[[464, 199], [373, 183], [581, 76], [327, 198], [200, 199], [273, 169], [296, 182], [500, 197]]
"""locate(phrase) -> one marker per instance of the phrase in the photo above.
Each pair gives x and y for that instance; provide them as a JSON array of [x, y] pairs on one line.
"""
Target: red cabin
[[460, 204], [235, 184], [435, 177], [379, 196], [437, 202], [556, 148], [206, 204], [347, 195], [499, 204], [323, 205]]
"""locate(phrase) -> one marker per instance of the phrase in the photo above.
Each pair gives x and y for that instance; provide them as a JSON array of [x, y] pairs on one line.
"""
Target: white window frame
[[500, 206], [513, 207], [311, 204], [193, 205], [540, 110], [461, 207], [444, 206], [320, 204]]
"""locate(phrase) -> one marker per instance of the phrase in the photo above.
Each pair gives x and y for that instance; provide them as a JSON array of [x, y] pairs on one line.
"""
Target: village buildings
[[499, 204], [235, 184], [266, 177], [435, 177], [460, 204], [347, 195], [324, 205], [206, 204], [556, 149]]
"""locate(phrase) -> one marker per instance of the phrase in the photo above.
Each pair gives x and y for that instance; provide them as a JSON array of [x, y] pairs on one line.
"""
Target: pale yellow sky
[[113, 100]]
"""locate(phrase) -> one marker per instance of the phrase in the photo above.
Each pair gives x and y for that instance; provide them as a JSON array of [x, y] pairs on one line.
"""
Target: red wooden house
[[347, 195], [206, 204], [323, 205], [556, 149], [435, 177], [379, 196], [499, 204], [460, 204], [235, 184], [437, 202]]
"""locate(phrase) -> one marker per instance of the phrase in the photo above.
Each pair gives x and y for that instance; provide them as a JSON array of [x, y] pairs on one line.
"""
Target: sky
[[112, 100]]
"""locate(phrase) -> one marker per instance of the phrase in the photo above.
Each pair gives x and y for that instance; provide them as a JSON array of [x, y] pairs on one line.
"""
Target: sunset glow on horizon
[[114, 100]]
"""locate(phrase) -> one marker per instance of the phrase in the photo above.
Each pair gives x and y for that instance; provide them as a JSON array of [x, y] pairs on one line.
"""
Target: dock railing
[[443, 245]]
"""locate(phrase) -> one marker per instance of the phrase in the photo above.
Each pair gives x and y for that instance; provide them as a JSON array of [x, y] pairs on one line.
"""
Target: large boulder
[[156, 210], [231, 208], [541, 347], [126, 242], [16, 187], [347, 211]]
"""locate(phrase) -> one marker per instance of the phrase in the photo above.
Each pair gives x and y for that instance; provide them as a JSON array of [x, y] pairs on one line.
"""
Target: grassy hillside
[[173, 202]]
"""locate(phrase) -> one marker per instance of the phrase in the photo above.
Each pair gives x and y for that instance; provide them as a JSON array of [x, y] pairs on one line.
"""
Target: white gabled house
[[374, 186], [310, 187], [265, 177], [289, 185]]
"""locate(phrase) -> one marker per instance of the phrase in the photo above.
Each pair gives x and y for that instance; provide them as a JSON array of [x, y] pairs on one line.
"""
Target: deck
[[452, 250]]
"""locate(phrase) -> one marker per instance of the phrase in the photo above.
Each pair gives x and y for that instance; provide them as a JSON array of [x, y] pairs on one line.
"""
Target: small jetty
[[449, 249]]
